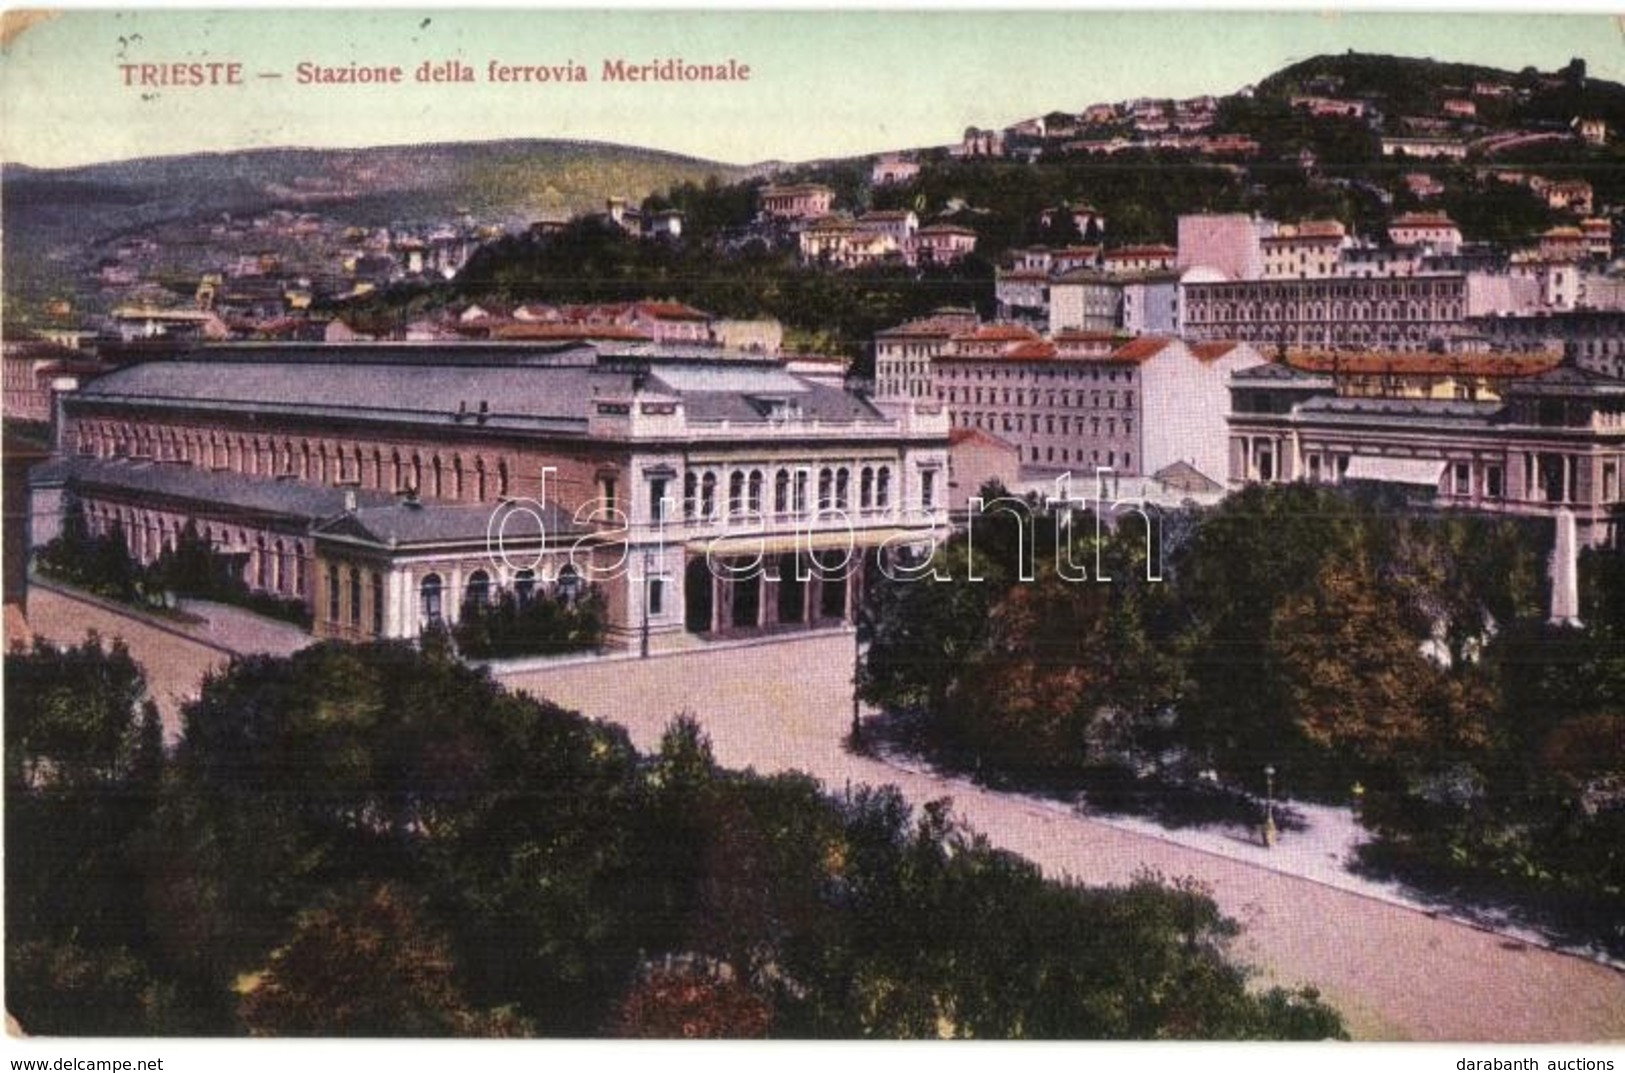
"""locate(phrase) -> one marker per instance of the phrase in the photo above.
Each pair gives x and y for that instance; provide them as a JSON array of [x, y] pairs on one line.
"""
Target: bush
[[547, 623]]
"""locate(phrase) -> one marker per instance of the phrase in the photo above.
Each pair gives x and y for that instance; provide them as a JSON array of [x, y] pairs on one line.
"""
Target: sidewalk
[[1322, 851], [245, 632]]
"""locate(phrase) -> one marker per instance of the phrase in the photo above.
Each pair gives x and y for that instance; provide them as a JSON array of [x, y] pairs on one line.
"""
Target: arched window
[[457, 477], [355, 597], [438, 473], [478, 593], [300, 564], [754, 491], [736, 492], [708, 496], [279, 567], [377, 469], [304, 461], [569, 584], [781, 491], [321, 471], [883, 487], [826, 485], [479, 479], [430, 591], [417, 474], [691, 485], [842, 488], [866, 487], [502, 478], [524, 586]]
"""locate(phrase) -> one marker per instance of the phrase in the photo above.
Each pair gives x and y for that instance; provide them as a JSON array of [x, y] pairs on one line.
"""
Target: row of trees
[[373, 840], [1337, 638]]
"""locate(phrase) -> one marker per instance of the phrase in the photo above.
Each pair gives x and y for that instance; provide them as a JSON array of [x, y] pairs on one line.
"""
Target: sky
[[822, 82]]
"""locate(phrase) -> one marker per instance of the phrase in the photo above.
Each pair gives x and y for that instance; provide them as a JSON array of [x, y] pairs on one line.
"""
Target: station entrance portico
[[734, 594]]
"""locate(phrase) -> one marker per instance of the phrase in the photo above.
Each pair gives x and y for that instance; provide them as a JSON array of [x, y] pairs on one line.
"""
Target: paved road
[[175, 655], [1394, 972]]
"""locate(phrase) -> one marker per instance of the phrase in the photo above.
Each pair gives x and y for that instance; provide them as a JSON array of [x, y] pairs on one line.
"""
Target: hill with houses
[[94, 232], [1357, 139]]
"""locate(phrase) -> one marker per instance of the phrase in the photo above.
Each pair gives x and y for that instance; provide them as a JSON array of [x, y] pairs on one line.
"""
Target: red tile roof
[[1206, 352], [671, 311], [958, 436], [1422, 219], [1142, 349], [1031, 351], [998, 333]]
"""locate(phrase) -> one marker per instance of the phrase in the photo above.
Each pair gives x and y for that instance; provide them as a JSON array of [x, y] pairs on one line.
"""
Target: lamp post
[[857, 726], [1269, 806], [643, 646]]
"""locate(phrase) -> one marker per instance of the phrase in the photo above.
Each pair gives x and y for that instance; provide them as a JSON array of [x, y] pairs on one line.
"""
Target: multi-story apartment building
[[1080, 402], [1138, 303], [903, 355], [1408, 313], [1307, 250], [387, 485], [1434, 230], [1592, 339]]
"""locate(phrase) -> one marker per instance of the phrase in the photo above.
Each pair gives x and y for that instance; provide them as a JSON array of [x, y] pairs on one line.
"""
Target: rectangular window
[[378, 604], [1493, 485], [657, 500], [657, 596], [332, 594], [1464, 478], [928, 489]]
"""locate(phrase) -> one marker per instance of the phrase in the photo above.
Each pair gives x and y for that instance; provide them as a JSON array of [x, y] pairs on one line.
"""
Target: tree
[[1355, 679], [84, 762], [1252, 553], [692, 1003], [366, 963]]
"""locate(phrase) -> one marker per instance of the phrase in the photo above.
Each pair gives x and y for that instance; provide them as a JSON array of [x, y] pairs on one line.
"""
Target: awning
[[1422, 471], [826, 540]]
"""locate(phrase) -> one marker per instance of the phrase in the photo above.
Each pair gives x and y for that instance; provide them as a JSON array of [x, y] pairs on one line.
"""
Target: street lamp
[[1269, 806], [857, 726], [648, 587]]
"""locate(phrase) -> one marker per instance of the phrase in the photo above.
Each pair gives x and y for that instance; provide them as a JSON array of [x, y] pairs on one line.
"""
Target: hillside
[[1403, 85], [59, 222]]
